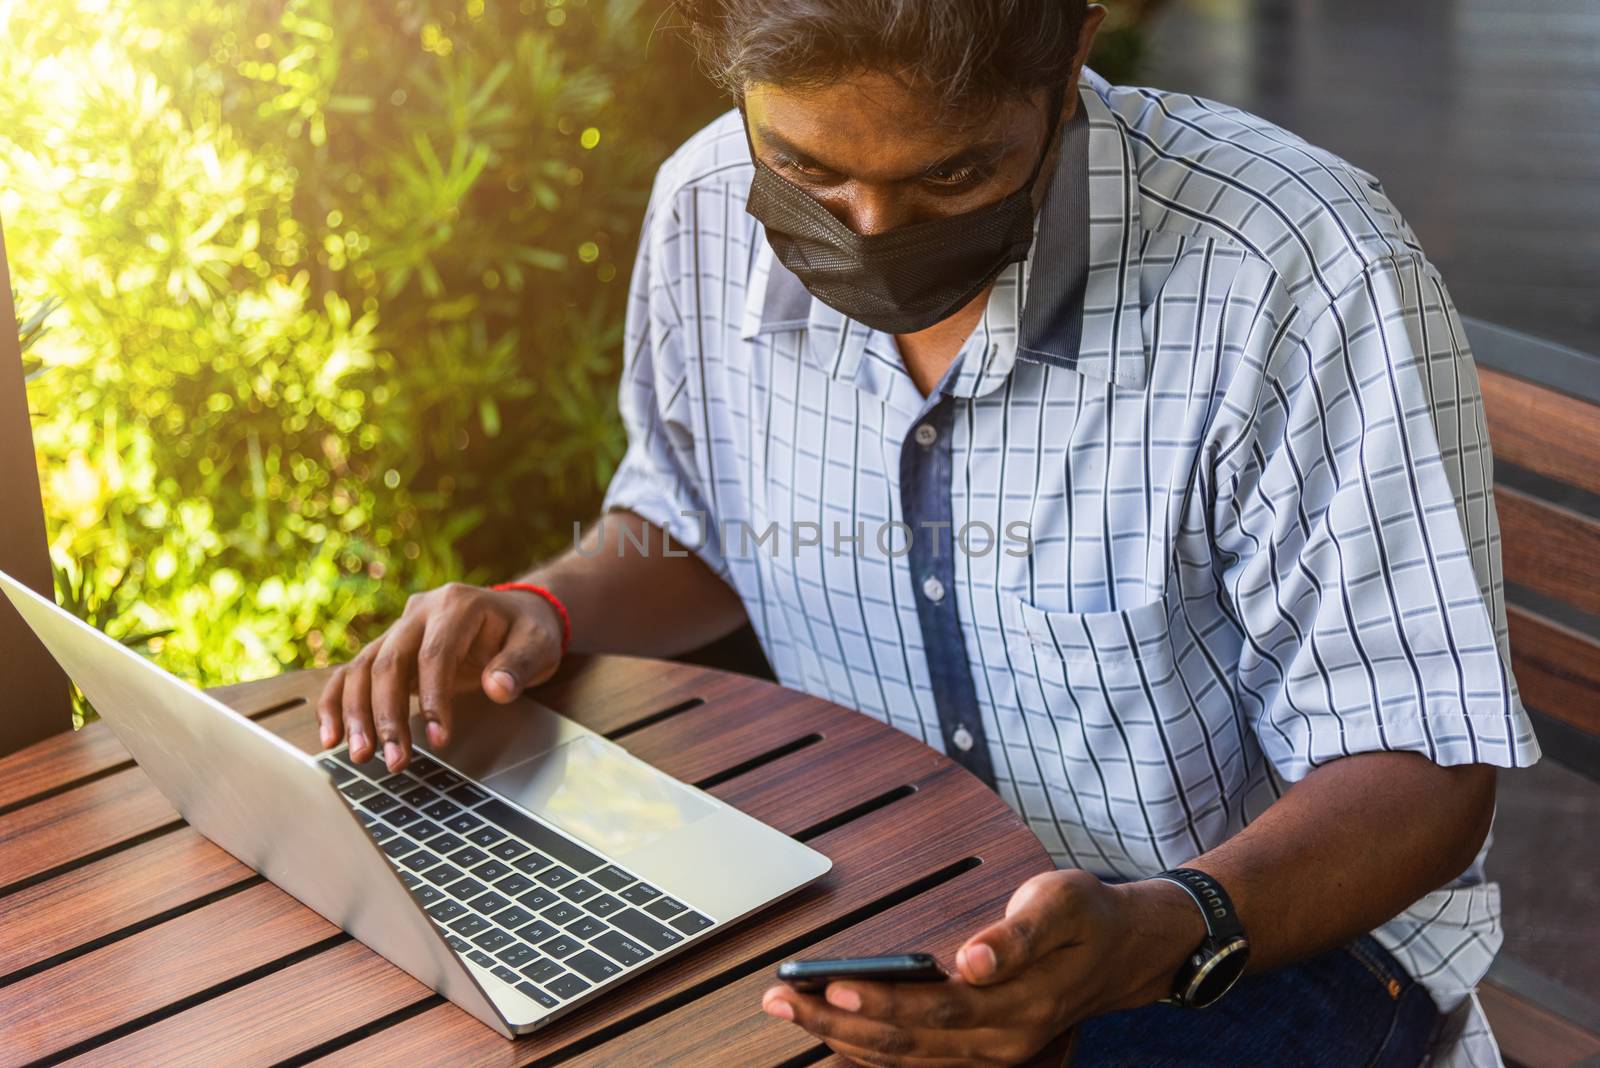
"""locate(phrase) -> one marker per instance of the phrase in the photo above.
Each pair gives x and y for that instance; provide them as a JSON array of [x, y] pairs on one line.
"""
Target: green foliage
[[334, 295]]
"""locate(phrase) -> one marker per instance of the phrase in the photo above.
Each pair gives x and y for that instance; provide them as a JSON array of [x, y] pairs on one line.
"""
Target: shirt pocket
[[1133, 748]]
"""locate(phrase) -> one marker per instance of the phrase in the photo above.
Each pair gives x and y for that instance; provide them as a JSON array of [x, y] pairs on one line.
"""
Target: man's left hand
[[1070, 947]]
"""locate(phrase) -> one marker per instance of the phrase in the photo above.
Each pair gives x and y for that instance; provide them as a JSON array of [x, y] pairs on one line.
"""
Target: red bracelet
[[555, 602]]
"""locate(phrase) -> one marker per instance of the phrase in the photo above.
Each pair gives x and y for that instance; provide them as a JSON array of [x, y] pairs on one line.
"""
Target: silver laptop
[[524, 869]]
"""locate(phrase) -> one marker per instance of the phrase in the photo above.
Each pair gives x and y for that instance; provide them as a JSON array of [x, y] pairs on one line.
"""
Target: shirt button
[[933, 589], [963, 738], [926, 435]]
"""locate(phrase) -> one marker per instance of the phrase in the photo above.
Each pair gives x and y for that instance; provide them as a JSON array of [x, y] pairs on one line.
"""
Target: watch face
[[1217, 975]]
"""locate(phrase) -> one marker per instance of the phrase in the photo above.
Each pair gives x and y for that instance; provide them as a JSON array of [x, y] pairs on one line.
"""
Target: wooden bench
[[1547, 491]]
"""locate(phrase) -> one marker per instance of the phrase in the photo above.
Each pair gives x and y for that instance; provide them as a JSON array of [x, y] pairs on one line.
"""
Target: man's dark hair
[[967, 55]]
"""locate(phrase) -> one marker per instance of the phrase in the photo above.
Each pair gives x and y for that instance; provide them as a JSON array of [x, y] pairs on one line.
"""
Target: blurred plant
[[338, 292], [29, 330]]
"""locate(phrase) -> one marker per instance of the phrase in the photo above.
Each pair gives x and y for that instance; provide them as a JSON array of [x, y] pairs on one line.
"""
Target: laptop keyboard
[[540, 912]]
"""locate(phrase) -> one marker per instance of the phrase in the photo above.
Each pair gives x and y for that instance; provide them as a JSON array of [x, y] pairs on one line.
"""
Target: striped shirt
[[1203, 503]]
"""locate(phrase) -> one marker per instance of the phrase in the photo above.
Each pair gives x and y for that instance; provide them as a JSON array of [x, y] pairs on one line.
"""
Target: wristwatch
[[1212, 969]]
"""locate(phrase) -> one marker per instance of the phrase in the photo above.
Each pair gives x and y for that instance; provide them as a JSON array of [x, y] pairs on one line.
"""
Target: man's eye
[[954, 177], [794, 166]]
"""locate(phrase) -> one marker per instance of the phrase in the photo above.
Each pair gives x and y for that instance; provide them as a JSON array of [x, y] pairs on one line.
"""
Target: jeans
[[1348, 1008]]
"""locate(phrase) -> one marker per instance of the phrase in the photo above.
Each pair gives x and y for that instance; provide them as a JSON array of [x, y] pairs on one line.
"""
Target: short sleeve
[[660, 474], [1359, 546]]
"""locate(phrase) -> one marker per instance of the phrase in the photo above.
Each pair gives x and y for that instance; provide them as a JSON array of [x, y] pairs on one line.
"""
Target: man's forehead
[[862, 126]]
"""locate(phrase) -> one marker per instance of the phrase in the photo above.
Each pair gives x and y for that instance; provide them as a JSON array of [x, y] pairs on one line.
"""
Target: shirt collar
[[1081, 307]]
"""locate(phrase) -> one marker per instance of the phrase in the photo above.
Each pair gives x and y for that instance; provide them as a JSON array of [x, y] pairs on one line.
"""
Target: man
[[1116, 443]]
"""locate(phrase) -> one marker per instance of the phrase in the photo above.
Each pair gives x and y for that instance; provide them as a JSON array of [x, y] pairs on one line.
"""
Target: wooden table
[[126, 938]]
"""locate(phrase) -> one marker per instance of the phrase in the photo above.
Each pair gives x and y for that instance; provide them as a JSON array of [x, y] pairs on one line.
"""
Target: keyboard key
[[486, 835], [591, 964], [532, 863], [442, 778], [422, 830], [489, 903], [646, 930], [585, 927], [478, 956], [612, 877], [469, 857], [492, 939], [366, 818], [640, 893], [561, 913], [621, 947], [512, 885], [506, 975], [443, 875], [421, 860], [380, 833], [445, 844], [538, 899], [560, 946], [517, 954], [339, 773], [555, 876], [467, 889], [537, 931], [442, 809], [409, 879], [692, 923], [568, 986], [462, 822], [418, 797], [425, 893], [396, 782], [537, 995], [510, 849], [538, 835], [355, 791], [422, 766], [666, 908], [447, 910], [469, 925], [380, 803], [457, 943], [582, 890], [542, 970], [491, 870], [467, 794], [402, 816], [398, 847], [604, 905], [513, 917]]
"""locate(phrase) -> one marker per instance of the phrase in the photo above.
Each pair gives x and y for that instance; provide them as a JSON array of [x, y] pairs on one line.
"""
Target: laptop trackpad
[[600, 795]]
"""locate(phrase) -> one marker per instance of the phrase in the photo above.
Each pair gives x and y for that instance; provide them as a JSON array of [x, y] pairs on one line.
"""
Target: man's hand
[[449, 641], [1069, 948]]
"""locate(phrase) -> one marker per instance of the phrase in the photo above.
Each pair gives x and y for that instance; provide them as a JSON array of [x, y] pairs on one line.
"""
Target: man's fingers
[[356, 706], [329, 725], [931, 1006], [873, 1041], [392, 671], [1040, 917], [445, 643], [527, 659]]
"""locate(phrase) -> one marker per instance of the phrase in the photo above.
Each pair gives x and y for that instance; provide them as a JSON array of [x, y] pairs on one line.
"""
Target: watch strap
[[1216, 908]]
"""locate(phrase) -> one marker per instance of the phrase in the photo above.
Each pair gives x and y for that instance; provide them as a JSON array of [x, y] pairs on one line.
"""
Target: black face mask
[[903, 280]]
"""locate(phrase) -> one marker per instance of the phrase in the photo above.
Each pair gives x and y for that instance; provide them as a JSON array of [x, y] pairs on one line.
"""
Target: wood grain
[[1534, 1037], [1557, 668], [1542, 430], [56, 1009], [1550, 549], [154, 974]]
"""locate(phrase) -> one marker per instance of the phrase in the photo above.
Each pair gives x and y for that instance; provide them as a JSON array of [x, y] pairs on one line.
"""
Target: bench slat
[[1542, 430], [1549, 548], [1557, 668]]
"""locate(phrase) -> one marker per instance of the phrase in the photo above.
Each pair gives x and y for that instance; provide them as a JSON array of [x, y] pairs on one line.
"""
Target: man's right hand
[[449, 641]]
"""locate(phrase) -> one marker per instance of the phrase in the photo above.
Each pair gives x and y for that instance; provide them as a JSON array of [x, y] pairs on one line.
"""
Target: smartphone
[[812, 976]]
